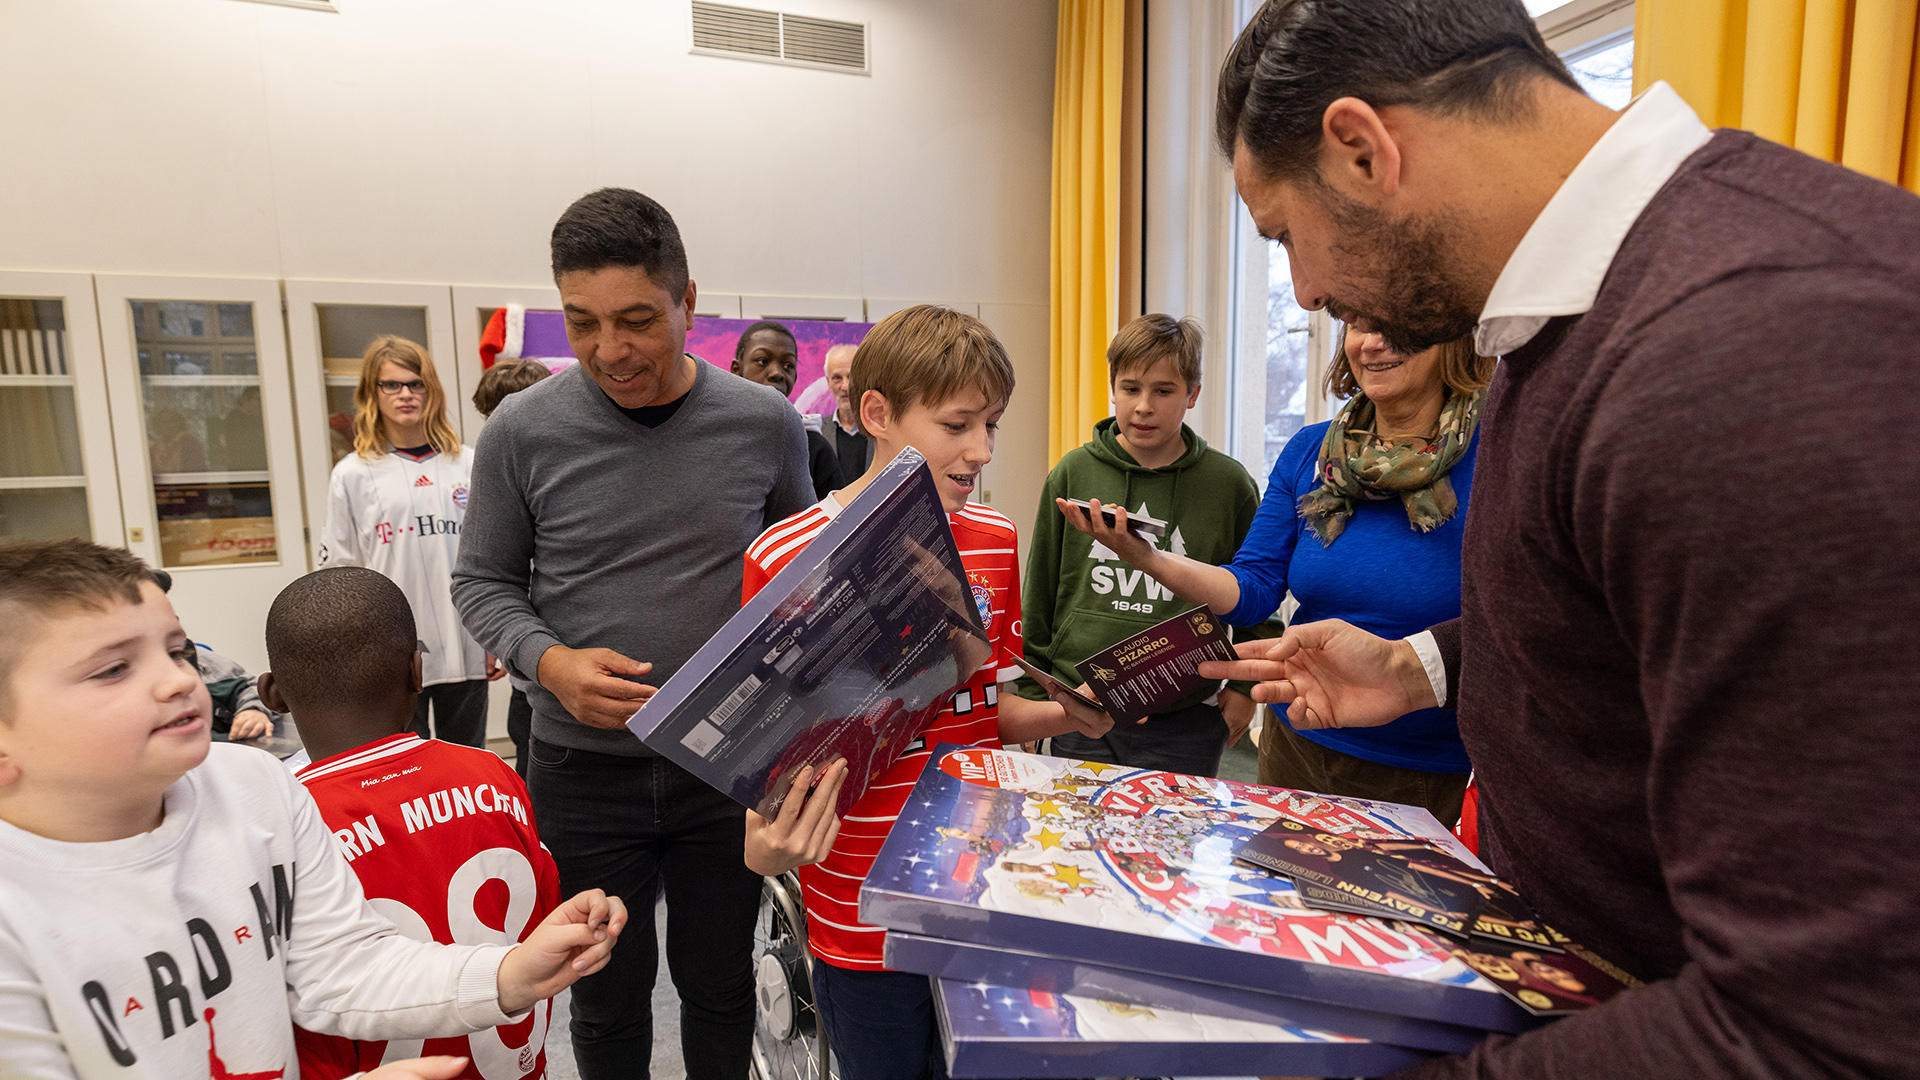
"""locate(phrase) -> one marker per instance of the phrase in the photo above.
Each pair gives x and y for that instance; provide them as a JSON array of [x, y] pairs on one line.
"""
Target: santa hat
[[506, 332]]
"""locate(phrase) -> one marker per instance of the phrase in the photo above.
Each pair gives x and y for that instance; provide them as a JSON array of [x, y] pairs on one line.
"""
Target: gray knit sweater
[[590, 530]]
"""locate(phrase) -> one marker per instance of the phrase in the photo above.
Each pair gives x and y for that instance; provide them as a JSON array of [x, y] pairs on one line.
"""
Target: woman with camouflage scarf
[[1362, 521]]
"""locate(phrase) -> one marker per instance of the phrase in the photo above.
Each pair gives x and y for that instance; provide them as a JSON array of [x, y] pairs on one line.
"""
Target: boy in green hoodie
[[1080, 597]]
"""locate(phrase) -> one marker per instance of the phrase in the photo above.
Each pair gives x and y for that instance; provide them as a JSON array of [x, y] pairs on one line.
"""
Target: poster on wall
[[714, 340], [514, 332]]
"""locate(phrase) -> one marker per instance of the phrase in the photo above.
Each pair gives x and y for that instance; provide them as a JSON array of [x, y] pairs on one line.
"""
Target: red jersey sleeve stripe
[[782, 529]]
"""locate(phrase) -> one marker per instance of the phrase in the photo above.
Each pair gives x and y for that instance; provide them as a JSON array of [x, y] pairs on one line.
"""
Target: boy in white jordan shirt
[[153, 890]]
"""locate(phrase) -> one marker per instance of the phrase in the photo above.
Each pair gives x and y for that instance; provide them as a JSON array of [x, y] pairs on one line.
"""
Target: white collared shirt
[[1561, 261], [1559, 265]]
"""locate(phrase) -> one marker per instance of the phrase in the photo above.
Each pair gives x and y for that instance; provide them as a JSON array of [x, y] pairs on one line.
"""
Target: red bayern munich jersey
[[443, 840], [987, 545]]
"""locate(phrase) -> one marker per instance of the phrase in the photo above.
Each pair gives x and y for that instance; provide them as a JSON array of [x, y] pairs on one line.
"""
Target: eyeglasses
[[395, 386]]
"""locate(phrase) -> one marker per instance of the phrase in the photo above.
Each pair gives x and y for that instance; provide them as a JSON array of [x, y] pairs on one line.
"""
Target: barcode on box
[[725, 710]]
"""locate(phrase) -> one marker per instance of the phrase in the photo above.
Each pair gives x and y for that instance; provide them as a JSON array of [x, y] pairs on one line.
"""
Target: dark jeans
[[519, 729], [1290, 759], [880, 1024], [459, 712], [1188, 740], [629, 826]]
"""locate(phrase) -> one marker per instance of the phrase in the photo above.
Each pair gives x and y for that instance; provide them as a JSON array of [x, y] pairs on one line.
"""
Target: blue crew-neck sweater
[[1382, 575]]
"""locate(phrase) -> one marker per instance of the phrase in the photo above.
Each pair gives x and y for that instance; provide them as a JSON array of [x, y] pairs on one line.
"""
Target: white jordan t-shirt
[[191, 950]]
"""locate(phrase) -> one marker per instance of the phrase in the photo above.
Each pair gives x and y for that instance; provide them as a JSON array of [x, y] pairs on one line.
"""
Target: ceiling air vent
[[777, 37]]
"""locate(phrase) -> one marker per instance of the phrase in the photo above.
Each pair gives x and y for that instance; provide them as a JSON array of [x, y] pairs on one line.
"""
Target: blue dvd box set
[[1055, 895]]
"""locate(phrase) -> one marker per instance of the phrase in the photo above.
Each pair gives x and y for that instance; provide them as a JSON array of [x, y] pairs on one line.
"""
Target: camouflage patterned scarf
[[1355, 465]]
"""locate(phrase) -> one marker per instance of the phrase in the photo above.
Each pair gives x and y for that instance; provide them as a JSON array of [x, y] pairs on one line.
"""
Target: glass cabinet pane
[[43, 483], [346, 330], [206, 436]]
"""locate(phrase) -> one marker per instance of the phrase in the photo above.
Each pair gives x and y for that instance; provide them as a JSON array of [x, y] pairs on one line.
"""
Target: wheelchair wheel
[[789, 1041]]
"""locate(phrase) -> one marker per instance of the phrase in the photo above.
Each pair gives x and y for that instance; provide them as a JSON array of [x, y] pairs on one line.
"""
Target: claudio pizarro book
[[849, 652], [1151, 670]]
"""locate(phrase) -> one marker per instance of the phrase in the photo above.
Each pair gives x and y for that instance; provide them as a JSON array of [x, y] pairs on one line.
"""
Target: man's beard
[[1412, 302]]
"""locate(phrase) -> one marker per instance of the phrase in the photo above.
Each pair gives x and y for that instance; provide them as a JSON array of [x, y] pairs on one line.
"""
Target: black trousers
[[1188, 740], [633, 826], [459, 712]]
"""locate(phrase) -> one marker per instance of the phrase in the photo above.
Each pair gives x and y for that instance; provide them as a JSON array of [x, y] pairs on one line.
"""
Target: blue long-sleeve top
[[1381, 575]]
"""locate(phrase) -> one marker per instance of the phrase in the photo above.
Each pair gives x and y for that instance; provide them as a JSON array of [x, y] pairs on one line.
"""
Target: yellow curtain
[[1085, 302], [1834, 78]]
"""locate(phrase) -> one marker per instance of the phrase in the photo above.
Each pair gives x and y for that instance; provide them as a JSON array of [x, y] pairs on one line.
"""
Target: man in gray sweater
[[612, 505]]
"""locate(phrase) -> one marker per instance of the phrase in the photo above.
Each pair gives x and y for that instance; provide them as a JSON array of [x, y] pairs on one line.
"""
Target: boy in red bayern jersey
[[935, 380], [440, 834]]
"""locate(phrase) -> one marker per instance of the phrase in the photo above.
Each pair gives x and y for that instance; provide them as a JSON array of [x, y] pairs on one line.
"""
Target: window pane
[[1607, 73], [236, 320], [206, 436], [340, 420], [43, 483], [1286, 409], [347, 329], [42, 431], [44, 514]]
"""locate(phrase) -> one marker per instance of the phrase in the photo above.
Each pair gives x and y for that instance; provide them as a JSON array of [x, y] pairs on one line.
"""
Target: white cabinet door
[[56, 442], [330, 324], [205, 435]]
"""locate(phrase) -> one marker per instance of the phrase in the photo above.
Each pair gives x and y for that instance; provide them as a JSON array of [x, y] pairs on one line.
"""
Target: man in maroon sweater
[[1686, 664]]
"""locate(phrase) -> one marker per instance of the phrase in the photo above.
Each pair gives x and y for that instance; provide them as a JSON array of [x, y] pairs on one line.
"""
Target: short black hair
[[740, 347], [620, 227], [1296, 57], [342, 634]]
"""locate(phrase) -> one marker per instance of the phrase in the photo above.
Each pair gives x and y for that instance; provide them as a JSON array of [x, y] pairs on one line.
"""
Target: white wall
[[436, 141]]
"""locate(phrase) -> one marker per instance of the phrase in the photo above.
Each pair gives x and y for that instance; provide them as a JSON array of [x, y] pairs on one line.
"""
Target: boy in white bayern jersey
[[395, 505]]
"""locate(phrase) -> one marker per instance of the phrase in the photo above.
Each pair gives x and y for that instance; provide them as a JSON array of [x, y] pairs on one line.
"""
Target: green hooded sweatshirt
[[1077, 601]]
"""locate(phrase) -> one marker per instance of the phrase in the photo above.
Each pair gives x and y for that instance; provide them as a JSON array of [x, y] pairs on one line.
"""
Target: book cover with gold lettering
[[1149, 671]]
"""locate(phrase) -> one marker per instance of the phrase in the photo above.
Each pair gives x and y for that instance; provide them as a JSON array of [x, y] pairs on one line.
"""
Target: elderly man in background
[[1684, 668], [842, 428]]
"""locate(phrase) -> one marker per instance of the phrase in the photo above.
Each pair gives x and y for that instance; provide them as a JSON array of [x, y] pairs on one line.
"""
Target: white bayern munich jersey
[[402, 517]]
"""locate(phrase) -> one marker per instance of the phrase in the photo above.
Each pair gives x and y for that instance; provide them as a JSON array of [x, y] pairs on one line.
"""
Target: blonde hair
[[928, 354], [1143, 341], [370, 439], [1461, 369]]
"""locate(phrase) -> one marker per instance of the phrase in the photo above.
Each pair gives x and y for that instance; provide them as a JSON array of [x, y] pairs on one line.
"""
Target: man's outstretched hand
[[1331, 674]]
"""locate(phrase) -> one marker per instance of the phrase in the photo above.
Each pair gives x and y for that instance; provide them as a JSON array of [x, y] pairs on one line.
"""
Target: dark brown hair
[[1144, 340], [1296, 57], [503, 378]]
